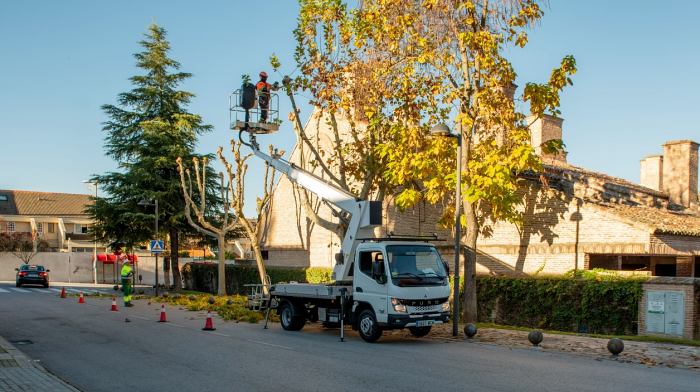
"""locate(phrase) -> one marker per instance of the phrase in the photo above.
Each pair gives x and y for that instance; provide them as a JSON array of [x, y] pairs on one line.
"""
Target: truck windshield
[[415, 265]]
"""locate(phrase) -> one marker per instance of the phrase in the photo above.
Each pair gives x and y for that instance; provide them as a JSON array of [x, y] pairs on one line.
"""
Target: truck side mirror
[[378, 272], [339, 259]]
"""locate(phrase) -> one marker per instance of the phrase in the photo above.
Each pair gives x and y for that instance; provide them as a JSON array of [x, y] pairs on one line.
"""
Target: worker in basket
[[263, 89]]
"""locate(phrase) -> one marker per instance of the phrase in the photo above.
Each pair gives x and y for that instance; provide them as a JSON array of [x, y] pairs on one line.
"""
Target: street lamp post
[[444, 131], [155, 204], [94, 249]]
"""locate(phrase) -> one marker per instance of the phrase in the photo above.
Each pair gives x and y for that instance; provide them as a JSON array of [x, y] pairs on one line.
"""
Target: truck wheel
[[419, 332], [290, 321], [367, 325]]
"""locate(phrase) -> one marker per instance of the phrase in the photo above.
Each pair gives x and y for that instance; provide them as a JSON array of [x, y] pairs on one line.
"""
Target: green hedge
[[203, 276], [588, 303]]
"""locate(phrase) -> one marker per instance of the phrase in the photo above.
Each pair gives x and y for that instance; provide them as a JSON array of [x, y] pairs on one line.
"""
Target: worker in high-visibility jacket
[[127, 274]]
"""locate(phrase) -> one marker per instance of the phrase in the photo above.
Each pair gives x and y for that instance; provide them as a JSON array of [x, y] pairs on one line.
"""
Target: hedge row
[[586, 304], [203, 276]]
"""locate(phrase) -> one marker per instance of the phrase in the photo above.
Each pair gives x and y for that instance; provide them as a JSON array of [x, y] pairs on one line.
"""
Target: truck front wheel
[[290, 320], [367, 325], [419, 332]]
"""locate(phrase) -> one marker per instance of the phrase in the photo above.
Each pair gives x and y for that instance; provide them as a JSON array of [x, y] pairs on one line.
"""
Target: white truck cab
[[395, 284]]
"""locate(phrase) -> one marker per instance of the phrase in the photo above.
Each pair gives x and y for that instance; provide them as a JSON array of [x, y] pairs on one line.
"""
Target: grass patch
[[636, 338], [230, 307]]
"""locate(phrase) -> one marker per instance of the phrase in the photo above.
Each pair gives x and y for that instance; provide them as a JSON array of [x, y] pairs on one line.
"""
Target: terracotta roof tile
[[43, 203], [657, 220]]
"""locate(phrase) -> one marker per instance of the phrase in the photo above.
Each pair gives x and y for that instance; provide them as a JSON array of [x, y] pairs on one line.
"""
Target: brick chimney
[[543, 130], [652, 172], [680, 172]]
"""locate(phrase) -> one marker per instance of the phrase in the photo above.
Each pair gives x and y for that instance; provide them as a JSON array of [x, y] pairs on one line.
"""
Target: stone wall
[[76, 267]]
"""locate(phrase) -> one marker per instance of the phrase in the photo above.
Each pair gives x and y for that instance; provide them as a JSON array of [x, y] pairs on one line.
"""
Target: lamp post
[[94, 248], [444, 131], [155, 204]]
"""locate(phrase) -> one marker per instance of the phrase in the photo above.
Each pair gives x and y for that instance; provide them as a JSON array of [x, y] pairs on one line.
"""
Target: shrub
[[203, 276], [587, 302]]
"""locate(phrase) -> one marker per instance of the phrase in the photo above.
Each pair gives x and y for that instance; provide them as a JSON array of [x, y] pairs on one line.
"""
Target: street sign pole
[[156, 266]]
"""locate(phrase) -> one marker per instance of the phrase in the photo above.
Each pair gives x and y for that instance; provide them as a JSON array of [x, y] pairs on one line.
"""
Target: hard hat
[[263, 74]]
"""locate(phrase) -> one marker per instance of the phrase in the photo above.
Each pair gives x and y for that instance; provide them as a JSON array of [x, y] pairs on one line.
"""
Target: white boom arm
[[359, 210]]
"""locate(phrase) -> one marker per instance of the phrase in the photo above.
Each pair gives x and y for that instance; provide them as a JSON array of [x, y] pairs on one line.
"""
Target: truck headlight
[[398, 306], [446, 306]]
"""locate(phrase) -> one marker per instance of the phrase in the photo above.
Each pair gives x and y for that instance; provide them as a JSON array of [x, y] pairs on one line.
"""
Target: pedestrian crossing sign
[[157, 246]]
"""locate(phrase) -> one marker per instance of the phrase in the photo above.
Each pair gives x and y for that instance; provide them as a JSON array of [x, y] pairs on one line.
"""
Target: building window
[[80, 229], [10, 227], [40, 228], [3, 197], [51, 228]]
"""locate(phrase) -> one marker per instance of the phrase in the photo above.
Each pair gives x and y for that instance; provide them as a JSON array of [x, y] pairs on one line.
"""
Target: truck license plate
[[424, 323]]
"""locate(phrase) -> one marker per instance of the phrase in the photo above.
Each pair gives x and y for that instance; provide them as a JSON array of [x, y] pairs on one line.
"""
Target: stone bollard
[[212, 300], [470, 330], [535, 337], [615, 346]]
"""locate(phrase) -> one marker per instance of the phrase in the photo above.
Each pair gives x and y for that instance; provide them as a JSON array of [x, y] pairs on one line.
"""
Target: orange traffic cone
[[63, 292], [163, 319], [114, 304], [209, 325], [81, 299]]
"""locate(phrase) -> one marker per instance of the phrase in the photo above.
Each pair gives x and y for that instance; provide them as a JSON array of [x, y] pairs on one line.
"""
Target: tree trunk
[[175, 258], [221, 290], [469, 307], [261, 266], [166, 272]]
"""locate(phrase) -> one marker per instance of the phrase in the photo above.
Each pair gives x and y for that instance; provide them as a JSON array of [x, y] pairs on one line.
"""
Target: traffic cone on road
[[114, 304], [63, 292], [163, 319], [209, 325], [81, 299]]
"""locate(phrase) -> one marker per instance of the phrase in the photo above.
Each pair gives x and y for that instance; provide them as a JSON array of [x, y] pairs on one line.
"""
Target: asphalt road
[[96, 350]]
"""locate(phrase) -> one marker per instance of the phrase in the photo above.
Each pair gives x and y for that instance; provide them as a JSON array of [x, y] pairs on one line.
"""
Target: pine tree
[[147, 131]]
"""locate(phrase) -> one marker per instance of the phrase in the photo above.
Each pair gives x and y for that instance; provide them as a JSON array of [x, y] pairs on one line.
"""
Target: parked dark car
[[32, 274]]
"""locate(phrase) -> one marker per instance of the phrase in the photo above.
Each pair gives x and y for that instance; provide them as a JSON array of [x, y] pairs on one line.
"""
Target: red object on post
[[81, 299], [114, 304]]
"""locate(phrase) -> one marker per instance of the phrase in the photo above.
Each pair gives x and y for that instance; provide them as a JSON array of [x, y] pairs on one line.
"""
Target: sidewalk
[[19, 373], [645, 353]]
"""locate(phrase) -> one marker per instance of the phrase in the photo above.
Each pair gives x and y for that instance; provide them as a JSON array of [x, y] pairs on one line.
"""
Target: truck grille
[[422, 302]]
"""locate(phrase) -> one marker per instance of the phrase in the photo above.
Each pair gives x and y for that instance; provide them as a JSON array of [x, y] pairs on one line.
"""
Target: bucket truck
[[380, 283]]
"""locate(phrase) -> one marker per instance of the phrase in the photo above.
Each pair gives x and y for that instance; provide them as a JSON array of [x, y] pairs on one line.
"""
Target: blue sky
[[636, 86]]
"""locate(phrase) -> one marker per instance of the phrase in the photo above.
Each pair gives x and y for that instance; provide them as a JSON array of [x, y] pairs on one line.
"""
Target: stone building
[[579, 219]]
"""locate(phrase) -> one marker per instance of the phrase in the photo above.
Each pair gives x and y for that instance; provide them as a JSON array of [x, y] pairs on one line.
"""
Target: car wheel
[[46, 285], [289, 318], [419, 332], [367, 325], [18, 284]]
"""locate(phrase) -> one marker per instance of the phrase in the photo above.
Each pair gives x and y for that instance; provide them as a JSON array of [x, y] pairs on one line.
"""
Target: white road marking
[[42, 291], [55, 289], [3, 291], [20, 290]]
